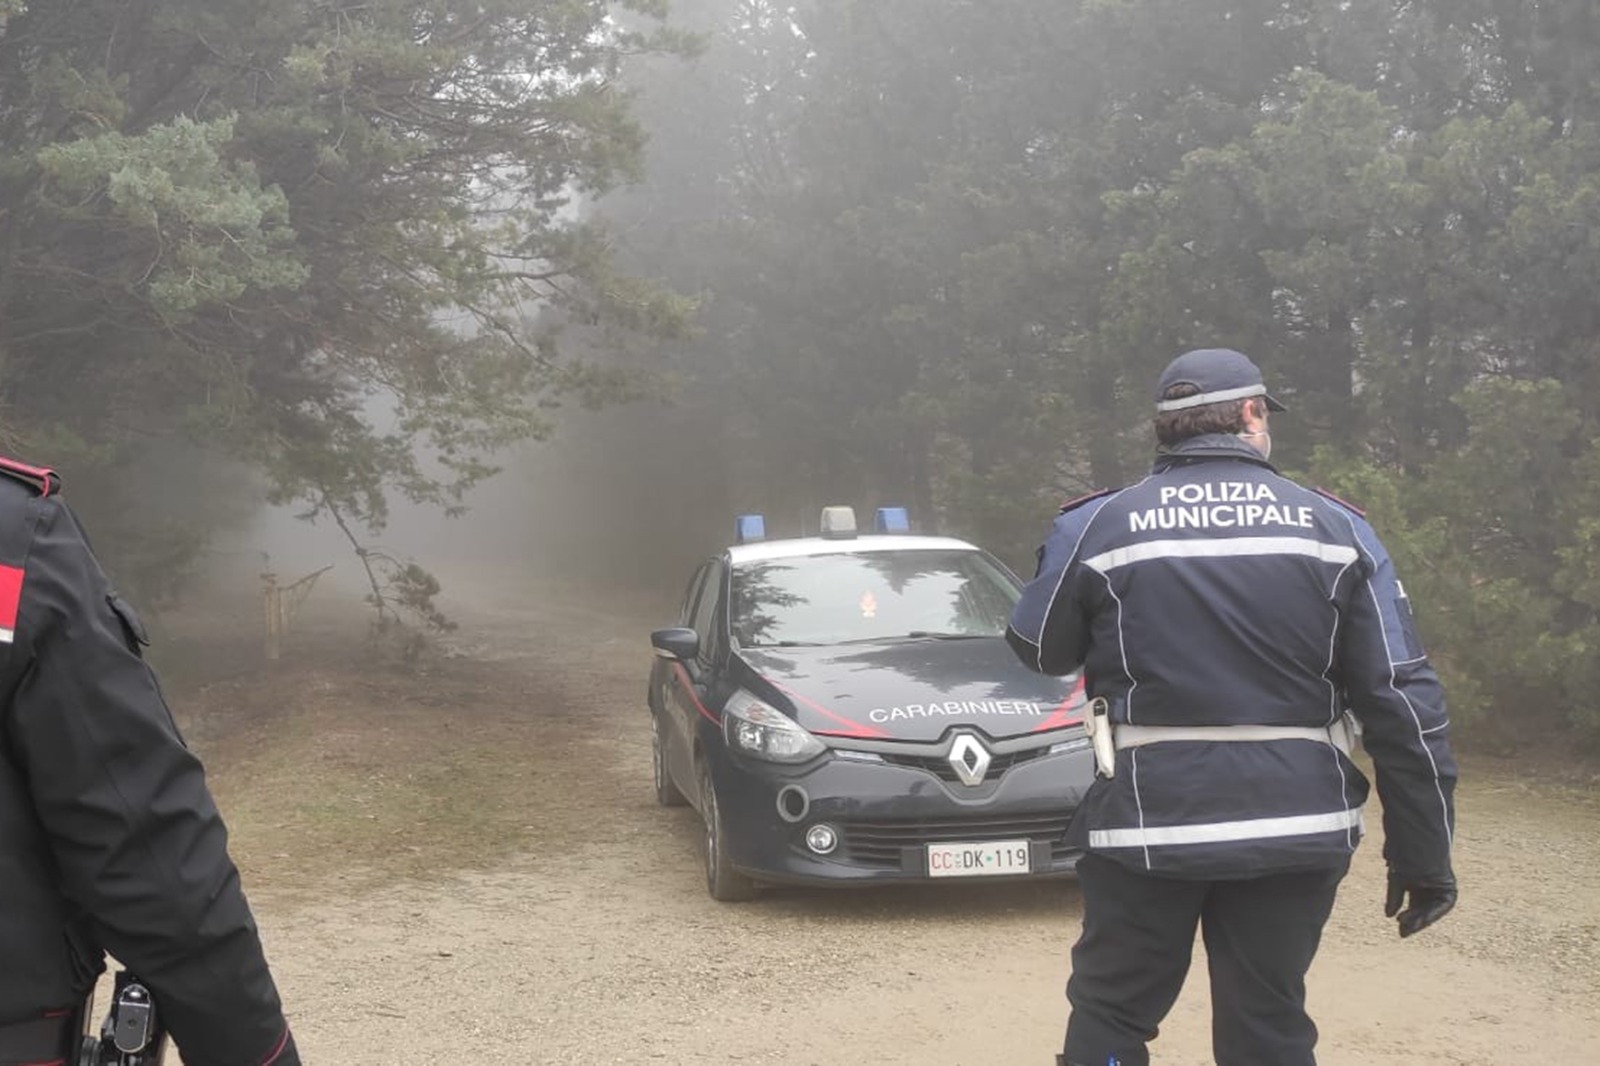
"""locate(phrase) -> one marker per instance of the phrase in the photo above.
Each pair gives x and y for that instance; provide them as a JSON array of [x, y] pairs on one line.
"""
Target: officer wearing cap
[[109, 839], [1226, 619]]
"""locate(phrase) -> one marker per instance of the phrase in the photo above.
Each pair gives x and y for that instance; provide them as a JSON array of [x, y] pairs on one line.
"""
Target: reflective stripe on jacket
[[1217, 592]]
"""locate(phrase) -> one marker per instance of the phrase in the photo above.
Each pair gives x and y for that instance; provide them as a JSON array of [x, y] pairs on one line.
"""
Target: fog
[[928, 253], [591, 505]]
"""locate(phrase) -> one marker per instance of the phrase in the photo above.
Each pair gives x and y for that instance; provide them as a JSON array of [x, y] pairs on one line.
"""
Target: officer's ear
[[1255, 413]]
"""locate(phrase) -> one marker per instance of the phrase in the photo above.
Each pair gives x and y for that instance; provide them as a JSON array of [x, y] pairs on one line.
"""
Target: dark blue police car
[[844, 709]]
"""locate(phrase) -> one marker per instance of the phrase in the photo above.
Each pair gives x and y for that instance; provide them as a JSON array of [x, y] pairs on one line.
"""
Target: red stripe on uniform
[[10, 595], [283, 1042]]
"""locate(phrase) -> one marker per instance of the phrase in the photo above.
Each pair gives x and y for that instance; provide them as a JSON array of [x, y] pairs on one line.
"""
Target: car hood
[[915, 689]]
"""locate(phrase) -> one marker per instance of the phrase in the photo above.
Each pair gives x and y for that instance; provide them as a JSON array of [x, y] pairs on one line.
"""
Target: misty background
[[564, 285]]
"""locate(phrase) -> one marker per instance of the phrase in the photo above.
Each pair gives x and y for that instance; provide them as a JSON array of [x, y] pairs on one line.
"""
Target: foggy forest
[[473, 324], [908, 251]]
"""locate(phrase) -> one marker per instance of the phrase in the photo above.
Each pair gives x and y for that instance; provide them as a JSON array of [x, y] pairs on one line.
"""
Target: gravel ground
[[561, 917]]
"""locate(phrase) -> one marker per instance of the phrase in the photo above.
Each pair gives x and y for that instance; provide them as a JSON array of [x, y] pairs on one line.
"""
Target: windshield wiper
[[919, 634]]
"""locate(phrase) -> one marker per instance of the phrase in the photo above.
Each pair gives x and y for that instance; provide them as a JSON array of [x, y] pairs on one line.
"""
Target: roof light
[[838, 522], [749, 528], [892, 520]]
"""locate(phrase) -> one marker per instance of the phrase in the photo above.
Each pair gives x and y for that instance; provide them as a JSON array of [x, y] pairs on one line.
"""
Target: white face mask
[[1264, 445]]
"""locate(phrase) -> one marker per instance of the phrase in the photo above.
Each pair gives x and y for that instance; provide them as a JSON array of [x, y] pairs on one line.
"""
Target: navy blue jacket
[[1217, 592]]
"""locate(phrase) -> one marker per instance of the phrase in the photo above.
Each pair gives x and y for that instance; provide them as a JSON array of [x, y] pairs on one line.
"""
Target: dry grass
[[361, 775], [338, 763]]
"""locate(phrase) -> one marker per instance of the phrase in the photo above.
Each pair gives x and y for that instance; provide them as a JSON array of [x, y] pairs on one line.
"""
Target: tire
[[723, 882], [667, 794]]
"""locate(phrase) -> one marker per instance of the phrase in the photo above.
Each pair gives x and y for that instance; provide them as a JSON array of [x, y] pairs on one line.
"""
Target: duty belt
[[41, 1040], [1109, 738], [1137, 736]]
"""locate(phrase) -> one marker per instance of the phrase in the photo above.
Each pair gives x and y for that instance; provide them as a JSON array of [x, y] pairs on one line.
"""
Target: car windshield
[[870, 596]]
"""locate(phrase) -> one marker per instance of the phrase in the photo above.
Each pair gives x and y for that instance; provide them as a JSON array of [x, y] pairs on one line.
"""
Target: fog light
[[822, 839], [793, 803]]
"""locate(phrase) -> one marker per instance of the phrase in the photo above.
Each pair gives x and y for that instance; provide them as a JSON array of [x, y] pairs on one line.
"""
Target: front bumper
[[886, 814]]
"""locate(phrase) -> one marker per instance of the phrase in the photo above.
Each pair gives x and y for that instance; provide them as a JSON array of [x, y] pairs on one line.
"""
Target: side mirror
[[675, 643]]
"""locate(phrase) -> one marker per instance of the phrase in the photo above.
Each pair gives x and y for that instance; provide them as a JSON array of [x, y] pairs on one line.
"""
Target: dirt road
[[465, 865]]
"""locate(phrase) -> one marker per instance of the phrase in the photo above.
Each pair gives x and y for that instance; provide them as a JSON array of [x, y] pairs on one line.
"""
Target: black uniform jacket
[[109, 839], [1216, 592]]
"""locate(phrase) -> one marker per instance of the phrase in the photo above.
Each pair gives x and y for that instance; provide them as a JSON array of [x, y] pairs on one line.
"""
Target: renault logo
[[969, 759]]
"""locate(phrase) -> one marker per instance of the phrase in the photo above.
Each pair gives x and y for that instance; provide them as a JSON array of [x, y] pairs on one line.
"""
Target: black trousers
[[1138, 931], [51, 1040]]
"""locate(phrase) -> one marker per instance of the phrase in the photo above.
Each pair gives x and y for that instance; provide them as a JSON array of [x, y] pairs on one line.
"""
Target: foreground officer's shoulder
[[40, 481], [1346, 504], [1088, 497]]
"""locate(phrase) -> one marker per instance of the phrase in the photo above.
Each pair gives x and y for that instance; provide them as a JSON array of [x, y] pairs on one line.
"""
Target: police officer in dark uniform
[[1226, 619], [109, 839]]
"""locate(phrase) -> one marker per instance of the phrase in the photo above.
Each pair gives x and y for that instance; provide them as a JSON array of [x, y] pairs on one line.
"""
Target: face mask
[[1264, 446]]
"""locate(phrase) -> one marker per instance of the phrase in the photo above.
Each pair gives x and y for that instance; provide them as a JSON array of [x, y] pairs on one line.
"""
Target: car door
[[696, 684], [680, 690]]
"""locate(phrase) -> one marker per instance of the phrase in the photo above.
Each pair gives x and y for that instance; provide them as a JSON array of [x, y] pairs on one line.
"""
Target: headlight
[[753, 728]]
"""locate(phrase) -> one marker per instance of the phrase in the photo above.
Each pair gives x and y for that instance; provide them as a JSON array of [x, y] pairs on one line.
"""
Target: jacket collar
[[1208, 446]]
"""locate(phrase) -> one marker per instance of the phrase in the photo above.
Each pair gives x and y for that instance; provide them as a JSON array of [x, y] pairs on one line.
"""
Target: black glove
[[1431, 899]]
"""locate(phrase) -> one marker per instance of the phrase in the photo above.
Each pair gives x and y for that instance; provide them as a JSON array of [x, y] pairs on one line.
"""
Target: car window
[[705, 611], [686, 612], [851, 596]]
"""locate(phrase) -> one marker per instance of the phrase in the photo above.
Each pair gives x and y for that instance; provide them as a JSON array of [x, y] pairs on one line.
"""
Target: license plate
[[980, 860]]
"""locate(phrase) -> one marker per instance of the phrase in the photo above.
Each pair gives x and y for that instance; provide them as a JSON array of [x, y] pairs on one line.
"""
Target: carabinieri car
[[844, 709]]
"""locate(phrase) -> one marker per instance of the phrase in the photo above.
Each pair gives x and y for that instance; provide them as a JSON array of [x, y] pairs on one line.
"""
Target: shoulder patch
[[1346, 504], [1079, 501], [41, 480]]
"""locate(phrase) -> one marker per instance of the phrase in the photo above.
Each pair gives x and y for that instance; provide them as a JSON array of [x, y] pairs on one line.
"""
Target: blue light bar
[[892, 520], [749, 528]]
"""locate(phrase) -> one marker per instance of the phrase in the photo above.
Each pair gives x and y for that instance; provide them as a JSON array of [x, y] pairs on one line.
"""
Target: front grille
[[901, 844], [939, 765]]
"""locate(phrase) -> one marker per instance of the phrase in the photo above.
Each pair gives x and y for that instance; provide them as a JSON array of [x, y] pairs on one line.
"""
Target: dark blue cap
[[1221, 374]]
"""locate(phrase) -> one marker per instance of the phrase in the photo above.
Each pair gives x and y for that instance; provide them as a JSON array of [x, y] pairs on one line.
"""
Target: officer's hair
[[1175, 426]]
